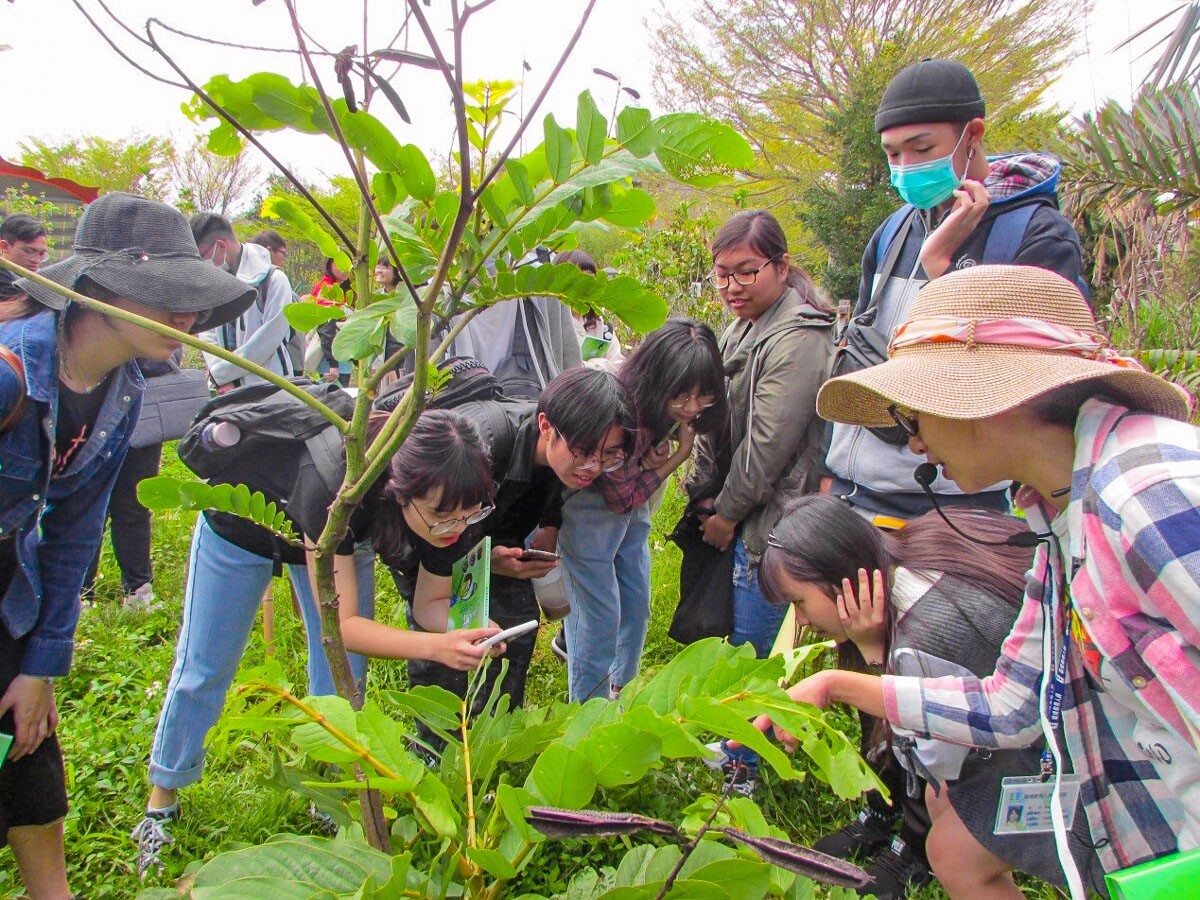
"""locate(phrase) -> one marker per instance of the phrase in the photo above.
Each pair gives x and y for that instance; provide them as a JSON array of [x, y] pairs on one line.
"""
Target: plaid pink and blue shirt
[[1133, 545]]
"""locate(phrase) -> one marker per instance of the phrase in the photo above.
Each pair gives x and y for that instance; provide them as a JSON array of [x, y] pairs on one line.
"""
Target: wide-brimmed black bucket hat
[[143, 250]]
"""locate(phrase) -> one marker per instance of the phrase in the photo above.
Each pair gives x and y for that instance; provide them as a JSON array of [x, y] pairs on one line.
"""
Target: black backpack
[[475, 393], [270, 421]]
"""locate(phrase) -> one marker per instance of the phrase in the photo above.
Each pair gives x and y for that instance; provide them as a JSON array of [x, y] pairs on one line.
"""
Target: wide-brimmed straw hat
[[143, 250], [987, 339]]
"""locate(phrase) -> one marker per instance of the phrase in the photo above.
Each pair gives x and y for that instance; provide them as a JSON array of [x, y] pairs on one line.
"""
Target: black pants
[[130, 521], [512, 602]]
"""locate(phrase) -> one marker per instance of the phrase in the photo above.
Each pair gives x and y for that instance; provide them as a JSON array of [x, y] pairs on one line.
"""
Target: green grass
[[111, 700]]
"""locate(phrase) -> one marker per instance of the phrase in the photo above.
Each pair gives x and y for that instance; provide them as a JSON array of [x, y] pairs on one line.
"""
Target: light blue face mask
[[928, 184]]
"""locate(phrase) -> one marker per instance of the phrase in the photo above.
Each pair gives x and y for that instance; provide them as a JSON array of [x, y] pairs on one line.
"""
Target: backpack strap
[[892, 226], [1007, 232], [18, 408], [327, 450]]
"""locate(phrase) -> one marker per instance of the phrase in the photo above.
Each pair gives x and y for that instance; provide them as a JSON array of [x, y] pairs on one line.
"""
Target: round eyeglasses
[[445, 526], [585, 462]]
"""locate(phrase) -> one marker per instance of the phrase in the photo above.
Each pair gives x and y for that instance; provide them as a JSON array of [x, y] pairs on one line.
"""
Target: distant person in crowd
[[776, 355], [22, 241], [330, 367], [603, 350], [275, 245], [1001, 373], [70, 394], [436, 485], [961, 209], [387, 277], [525, 343], [261, 334], [676, 386]]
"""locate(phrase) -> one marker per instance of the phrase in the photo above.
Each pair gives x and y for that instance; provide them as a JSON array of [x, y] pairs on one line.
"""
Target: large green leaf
[[591, 128], [291, 866], [305, 315], [559, 150], [629, 207], [318, 741], [700, 151], [636, 131], [365, 330], [282, 208], [562, 777], [386, 740], [620, 754]]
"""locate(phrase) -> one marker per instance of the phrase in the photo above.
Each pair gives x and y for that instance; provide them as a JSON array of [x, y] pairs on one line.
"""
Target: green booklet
[[470, 588], [593, 347]]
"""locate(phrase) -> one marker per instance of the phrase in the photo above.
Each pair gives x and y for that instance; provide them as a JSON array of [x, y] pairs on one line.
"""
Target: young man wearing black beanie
[[961, 209]]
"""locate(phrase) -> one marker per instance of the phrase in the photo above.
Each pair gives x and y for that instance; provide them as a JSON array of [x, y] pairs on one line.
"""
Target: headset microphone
[[924, 476]]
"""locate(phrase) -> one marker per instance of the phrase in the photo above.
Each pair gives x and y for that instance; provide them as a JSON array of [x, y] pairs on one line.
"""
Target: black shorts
[[33, 790]]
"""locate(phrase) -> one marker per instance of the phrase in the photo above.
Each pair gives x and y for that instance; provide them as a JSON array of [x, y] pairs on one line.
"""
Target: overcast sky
[[62, 80]]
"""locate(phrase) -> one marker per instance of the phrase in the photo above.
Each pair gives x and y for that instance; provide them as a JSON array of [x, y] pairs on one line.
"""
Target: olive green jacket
[[770, 453]]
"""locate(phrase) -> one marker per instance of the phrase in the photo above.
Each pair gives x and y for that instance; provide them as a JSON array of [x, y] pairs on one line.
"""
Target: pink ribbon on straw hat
[[1032, 334]]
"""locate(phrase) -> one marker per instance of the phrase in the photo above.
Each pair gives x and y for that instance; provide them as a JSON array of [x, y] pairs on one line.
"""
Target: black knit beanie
[[932, 90]]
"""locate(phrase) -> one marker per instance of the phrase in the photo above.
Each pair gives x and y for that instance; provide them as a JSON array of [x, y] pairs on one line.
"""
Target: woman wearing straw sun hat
[[998, 373], [70, 394]]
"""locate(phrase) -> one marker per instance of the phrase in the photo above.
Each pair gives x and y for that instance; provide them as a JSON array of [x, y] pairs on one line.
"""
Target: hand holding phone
[[531, 555], [508, 634]]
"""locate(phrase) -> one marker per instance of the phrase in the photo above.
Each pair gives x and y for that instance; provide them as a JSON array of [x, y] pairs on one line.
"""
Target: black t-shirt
[[306, 504], [76, 418]]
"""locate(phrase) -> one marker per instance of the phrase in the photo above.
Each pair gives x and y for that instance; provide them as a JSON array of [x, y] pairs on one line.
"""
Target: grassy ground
[[110, 704]]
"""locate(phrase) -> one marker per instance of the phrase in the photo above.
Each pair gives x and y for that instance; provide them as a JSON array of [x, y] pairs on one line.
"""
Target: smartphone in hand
[[508, 634], [530, 555]]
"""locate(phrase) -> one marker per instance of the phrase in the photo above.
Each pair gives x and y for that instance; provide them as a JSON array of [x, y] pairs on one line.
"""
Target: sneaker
[[740, 778], [323, 820], [151, 835], [894, 871], [142, 599], [559, 644], [861, 839]]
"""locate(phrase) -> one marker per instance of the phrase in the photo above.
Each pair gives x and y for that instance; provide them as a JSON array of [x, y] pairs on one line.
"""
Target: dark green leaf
[[562, 777], [493, 862]]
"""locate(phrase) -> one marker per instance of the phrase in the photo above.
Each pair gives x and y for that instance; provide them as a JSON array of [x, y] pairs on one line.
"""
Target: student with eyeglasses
[[776, 355], [677, 389], [436, 486], [578, 431]]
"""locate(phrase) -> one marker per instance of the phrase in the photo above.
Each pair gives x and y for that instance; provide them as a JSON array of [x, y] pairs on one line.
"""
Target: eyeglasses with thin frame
[[585, 462], [745, 279], [907, 424], [698, 398], [445, 526]]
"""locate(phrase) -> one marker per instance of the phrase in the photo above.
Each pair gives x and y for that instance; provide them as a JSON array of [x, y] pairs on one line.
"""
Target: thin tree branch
[[248, 135], [359, 176], [121, 53], [562, 60]]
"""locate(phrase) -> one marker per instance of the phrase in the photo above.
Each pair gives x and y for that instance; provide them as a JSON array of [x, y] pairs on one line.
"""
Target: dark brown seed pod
[[802, 860], [570, 823]]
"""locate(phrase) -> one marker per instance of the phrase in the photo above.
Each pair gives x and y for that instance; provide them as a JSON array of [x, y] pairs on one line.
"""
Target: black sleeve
[[1051, 243], [309, 506]]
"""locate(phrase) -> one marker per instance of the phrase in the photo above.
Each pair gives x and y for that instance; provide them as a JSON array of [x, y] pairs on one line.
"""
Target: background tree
[[206, 182], [139, 164], [801, 78]]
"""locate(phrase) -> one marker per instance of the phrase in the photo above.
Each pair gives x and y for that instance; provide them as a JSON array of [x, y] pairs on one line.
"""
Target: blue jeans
[[225, 586], [606, 569], [755, 621]]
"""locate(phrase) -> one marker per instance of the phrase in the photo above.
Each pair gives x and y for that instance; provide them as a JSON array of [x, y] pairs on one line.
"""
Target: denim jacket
[[57, 522]]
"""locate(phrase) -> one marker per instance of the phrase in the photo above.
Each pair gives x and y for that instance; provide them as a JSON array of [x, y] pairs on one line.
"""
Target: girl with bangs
[[676, 388], [436, 485]]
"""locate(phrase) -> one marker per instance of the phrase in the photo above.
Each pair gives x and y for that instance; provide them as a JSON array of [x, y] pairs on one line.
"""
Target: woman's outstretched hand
[[460, 649]]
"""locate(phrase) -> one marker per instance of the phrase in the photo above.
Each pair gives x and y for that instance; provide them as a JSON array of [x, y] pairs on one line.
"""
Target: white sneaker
[[142, 598], [717, 757]]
